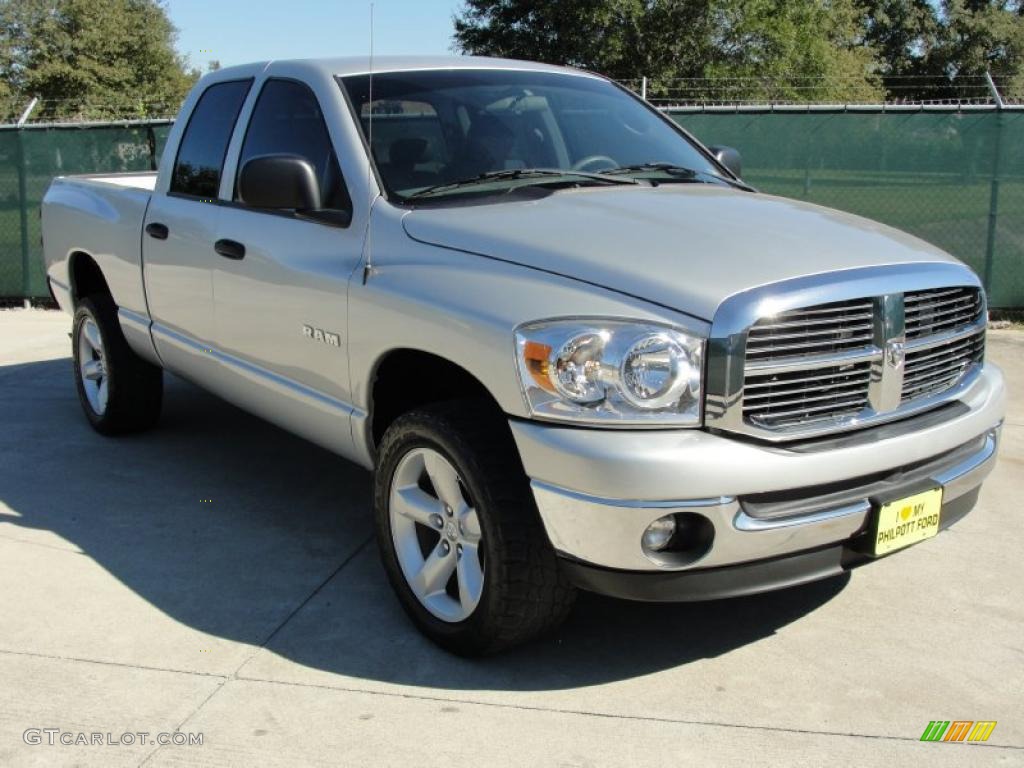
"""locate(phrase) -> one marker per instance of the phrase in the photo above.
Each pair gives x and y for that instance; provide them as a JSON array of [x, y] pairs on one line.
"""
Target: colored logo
[[958, 730]]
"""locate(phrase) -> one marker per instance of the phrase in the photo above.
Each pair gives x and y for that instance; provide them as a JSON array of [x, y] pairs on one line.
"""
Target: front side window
[[444, 127], [204, 144], [287, 120]]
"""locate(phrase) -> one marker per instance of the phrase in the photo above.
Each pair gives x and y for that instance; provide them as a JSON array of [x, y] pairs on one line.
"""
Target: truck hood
[[686, 247]]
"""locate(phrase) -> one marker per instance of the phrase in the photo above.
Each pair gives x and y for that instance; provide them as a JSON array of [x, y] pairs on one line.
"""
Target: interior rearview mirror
[[279, 182], [728, 157]]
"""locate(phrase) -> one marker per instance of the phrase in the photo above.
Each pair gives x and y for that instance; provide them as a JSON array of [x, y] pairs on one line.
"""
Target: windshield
[[434, 128]]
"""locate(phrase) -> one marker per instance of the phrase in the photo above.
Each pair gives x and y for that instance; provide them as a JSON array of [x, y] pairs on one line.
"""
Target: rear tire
[[119, 391], [449, 487]]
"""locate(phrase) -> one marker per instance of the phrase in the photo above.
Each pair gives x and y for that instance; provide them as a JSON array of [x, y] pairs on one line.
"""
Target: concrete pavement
[[217, 576]]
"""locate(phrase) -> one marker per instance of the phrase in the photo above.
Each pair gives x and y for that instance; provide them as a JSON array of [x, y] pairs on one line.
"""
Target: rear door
[[281, 308], [180, 230]]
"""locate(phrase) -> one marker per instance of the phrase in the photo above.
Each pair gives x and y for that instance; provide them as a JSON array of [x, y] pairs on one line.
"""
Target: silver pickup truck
[[574, 347]]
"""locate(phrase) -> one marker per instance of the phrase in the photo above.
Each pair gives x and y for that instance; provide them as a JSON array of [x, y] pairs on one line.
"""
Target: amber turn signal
[[538, 363]]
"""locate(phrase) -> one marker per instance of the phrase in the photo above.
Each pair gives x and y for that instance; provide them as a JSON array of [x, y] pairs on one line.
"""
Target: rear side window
[[287, 121], [205, 143]]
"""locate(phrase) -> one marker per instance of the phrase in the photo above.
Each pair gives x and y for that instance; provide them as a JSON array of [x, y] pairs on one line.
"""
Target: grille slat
[[939, 326], [935, 369], [821, 321], [783, 336], [944, 363], [825, 385], [841, 307], [756, 385], [932, 354], [780, 392], [802, 399], [939, 298], [932, 294], [932, 386], [821, 330], [955, 316], [841, 406], [934, 311], [781, 398], [940, 308], [809, 348]]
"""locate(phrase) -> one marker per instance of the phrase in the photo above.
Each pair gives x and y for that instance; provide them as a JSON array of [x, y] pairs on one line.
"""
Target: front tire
[[459, 534], [119, 391]]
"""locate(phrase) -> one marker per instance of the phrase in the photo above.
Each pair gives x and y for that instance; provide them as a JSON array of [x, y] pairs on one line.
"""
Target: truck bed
[[100, 215]]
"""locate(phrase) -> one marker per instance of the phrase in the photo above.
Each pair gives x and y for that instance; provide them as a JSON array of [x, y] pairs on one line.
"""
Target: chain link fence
[[953, 175], [777, 90], [31, 156]]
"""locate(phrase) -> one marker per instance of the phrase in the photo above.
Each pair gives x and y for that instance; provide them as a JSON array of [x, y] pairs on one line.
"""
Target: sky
[[240, 31]]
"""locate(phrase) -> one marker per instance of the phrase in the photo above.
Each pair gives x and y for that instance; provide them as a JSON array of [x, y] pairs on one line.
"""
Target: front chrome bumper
[[597, 491]]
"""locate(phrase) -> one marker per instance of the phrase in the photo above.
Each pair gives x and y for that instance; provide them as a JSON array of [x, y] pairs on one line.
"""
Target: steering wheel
[[603, 163]]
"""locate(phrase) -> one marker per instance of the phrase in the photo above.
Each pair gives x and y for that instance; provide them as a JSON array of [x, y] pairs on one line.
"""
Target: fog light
[[659, 533]]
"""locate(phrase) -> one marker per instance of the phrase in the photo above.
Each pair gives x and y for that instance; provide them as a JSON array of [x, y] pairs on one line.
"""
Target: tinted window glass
[[205, 143], [408, 141], [287, 121], [436, 127]]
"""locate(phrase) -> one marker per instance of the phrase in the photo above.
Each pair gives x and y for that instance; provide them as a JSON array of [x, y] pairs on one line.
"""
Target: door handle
[[157, 231], [230, 249]]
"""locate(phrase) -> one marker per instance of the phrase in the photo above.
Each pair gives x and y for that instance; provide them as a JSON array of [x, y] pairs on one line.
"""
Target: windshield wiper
[[544, 175], [677, 172]]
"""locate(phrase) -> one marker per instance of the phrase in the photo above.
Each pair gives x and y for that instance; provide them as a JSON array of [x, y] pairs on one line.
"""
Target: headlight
[[611, 372]]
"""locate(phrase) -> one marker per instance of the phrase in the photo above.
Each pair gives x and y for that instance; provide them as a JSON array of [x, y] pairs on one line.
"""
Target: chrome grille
[[778, 399], [939, 311], [934, 369], [821, 330], [845, 363]]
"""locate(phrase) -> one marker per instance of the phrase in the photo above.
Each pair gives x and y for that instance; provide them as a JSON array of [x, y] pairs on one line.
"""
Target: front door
[[280, 287]]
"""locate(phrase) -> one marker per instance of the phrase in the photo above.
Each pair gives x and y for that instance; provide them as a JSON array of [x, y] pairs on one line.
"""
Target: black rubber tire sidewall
[[134, 386], [512, 536]]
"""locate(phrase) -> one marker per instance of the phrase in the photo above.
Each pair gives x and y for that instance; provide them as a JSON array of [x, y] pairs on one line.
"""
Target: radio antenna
[[368, 268]]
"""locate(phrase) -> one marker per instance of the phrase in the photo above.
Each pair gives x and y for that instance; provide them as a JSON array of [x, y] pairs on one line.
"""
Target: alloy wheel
[[92, 366], [436, 534]]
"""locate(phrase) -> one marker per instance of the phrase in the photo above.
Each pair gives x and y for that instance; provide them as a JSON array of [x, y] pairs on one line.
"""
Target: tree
[[980, 36], [902, 33], [801, 50], [794, 50], [932, 50], [810, 46], [91, 58], [622, 38]]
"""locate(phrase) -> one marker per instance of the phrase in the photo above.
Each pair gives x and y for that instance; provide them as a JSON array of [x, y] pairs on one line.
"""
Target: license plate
[[907, 521]]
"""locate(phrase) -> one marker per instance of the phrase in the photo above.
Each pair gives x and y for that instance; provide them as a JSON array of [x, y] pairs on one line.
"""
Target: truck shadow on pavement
[[235, 528]]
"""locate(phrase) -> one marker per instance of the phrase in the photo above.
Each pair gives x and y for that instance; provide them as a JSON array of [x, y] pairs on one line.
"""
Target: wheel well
[[86, 277], [408, 378]]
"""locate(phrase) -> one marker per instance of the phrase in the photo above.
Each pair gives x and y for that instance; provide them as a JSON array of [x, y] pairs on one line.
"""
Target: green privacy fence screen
[[30, 157], [953, 177]]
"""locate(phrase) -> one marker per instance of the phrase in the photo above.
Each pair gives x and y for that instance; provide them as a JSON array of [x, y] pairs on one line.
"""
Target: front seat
[[487, 146], [405, 154]]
